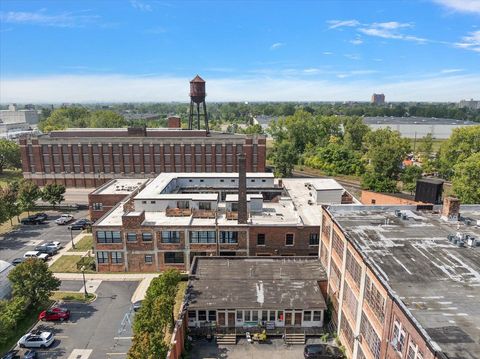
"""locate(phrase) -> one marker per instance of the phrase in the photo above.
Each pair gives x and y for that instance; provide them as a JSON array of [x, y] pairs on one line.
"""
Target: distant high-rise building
[[471, 104], [378, 99]]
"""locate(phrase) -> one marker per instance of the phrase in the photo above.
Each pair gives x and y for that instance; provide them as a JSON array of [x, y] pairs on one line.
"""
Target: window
[[338, 245], [314, 239], [97, 206], [108, 237], [117, 257], [353, 268], [183, 204], [229, 237], [148, 258], [348, 333], [206, 206], [374, 299], [254, 315], [260, 239], [147, 236], [370, 336], [350, 301], [398, 337], [272, 315], [289, 239], [131, 237], [203, 237], [239, 315], [247, 315], [202, 315], [102, 257], [212, 316], [174, 257], [307, 316], [280, 316], [152, 202], [317, 315], [192, 315], [264, 315], [170, 237]]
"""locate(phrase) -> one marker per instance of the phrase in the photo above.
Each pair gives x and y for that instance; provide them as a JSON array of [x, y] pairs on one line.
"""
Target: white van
[[35, 254]]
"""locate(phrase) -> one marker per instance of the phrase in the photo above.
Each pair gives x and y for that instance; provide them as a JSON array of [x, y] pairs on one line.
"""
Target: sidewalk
[[68, 246]]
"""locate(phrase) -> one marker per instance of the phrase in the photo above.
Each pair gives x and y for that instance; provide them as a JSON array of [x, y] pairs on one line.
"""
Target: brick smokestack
[[242, 189], [451, 209], [174, 122]]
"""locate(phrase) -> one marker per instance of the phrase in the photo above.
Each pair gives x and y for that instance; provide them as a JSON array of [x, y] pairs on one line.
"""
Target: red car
[[56, 313]]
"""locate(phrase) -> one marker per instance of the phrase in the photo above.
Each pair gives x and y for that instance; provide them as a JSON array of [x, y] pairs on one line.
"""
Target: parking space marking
[[34, 242], [80, 354], [123, 338], [61, 336], [92, 285], [117, 353]]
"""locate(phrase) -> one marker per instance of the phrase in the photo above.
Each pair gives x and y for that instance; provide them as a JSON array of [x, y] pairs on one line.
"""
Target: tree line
[[345, 145], [155, 319], [21, 196]]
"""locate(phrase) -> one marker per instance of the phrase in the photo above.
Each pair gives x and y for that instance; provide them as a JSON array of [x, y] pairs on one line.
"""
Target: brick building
[[177, 216], [90, 157], [403, 283]]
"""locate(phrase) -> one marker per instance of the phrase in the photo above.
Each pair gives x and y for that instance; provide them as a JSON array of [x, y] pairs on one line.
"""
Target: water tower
[[197, 97]]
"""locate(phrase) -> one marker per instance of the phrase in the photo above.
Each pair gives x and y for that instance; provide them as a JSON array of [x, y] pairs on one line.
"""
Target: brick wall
[[374, 198]]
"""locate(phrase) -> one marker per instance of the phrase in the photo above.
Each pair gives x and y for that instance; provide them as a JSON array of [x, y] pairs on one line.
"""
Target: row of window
[[230, 237], [104, 257], [253, 315], [398, 342]]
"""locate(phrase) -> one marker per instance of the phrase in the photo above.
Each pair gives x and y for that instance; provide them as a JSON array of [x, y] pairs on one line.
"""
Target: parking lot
[[26, 237], [272, 349], [100, 329]]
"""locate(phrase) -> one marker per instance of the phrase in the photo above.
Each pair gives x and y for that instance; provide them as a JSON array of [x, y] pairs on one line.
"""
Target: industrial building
[[14, 121], [418, 127], [403, 282], [279, 295], [167, 221]]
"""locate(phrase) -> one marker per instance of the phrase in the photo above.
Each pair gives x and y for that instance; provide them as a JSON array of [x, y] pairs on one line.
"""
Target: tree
[[284, 158], [28, 193], [409, 177], [147, 345], [9, 154], [33, 281], [425, 152], [11, 312], [466, 179], [63, 118], [53, 194], [385, 152], [464, 142], [106, 119], [354, 132], [8, 198]]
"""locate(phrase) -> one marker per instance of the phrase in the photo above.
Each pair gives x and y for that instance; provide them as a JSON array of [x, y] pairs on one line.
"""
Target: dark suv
[[38, 218], [81, 224], [46, 249], [322, 351]]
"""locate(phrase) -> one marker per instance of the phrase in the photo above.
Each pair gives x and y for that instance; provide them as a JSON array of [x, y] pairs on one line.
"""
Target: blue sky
[[82, 51]]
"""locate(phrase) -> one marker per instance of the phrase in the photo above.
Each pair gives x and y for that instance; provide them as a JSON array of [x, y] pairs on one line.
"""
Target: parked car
[[64, 219], [36, 340], [54, 244], [137, 305], [30, 354], [42, 216], [17, 261], [35, 254], [34, 219], [322, 351], [12, 354], [81, 224], [50, 251], [54, 314]]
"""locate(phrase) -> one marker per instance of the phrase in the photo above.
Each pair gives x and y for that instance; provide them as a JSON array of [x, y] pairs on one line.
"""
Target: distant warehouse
[[90, 157], [411, 127]]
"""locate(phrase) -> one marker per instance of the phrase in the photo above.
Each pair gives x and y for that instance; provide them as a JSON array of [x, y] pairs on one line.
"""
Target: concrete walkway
[[67, 247]]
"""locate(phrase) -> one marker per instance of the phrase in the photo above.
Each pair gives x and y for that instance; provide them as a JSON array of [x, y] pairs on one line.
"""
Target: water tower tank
[[197, 90]]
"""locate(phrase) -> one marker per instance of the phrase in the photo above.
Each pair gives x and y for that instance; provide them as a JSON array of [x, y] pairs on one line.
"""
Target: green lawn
[[85, 244], [67, 264], [72, 296], [31, 317], [6, 226], [10, 175]]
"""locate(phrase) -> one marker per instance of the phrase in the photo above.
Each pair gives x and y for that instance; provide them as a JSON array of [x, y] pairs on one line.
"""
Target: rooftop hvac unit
[[471, 241]]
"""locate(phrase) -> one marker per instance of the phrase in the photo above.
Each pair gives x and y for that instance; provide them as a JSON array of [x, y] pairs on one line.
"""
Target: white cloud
[[276, 45], [327, 53], [139, 5], [466, 6], [352, 56], [122, 88], [470, 42], [65, 19], [357, 41], [342, 23], [450, 71]]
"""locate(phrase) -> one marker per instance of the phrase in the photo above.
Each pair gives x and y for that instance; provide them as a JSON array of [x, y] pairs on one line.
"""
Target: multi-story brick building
[[403, 283], [91, 157], [178, 216]]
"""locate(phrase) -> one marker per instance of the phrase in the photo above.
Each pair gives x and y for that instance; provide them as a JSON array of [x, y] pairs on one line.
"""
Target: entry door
[[288, 318], [231, 319], [221, 318], [298, 319]]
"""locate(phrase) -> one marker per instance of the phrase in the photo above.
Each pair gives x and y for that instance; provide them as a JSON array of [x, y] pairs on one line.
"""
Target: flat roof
[[321, 184], [120, 186], [413, 120], [436, 280], [234, 197], [257, 282]]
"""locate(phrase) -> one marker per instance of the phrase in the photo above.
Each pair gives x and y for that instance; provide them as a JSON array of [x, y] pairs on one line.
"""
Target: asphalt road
[[97, 330], [26, 237]]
